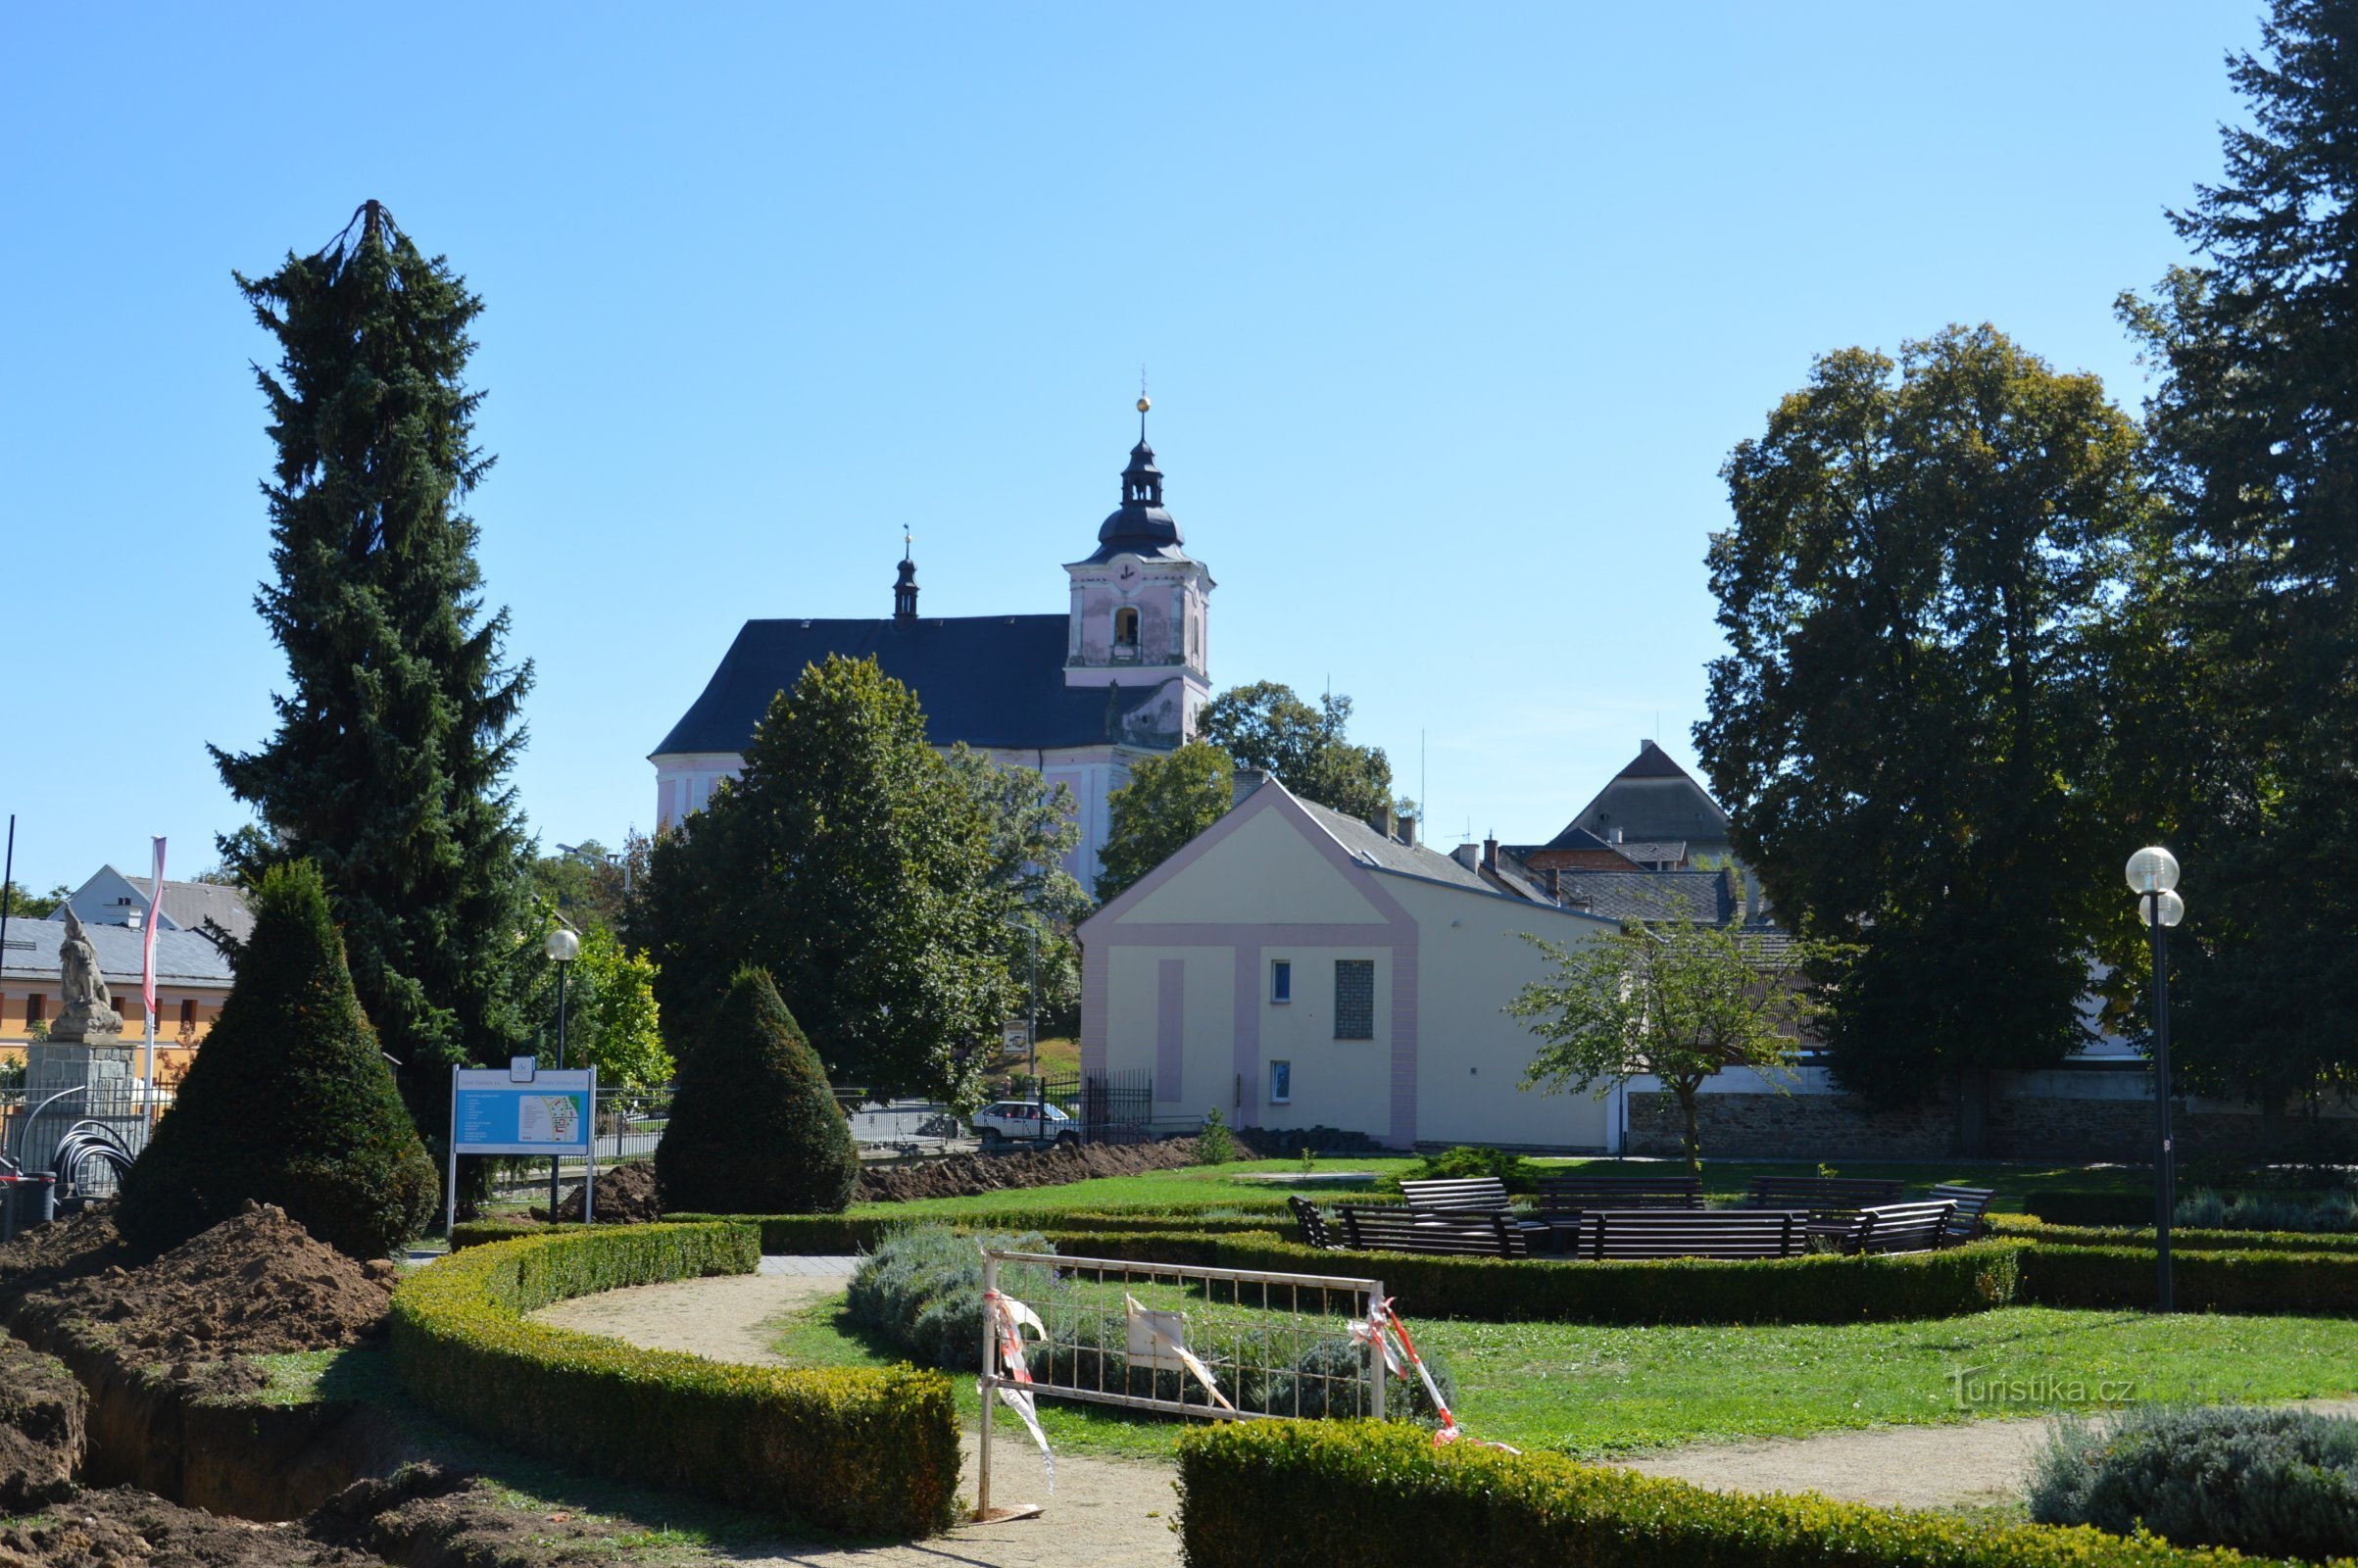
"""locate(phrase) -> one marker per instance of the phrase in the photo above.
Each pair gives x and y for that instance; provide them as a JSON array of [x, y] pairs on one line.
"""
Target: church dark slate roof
[[988, 680]]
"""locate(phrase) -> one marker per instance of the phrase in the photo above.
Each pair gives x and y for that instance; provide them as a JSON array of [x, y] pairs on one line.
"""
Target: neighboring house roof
[[1655, 800], [1705, 897], [1652, 852], [1573, 837], [189, 904], [1384, 853], [988, 680], [183, 958]]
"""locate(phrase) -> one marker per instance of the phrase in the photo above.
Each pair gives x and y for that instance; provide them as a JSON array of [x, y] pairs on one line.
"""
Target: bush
[[1216, 1145], [1375, 1495], [1796, 1289], [1465, 1162], [922, 1289], [2305, 1284], [755, 1129], [872, 1452], [291, 1103], [2281, 1482], [2331, 1212], [2181, 1239], [827, 1235], [2060, 1207]]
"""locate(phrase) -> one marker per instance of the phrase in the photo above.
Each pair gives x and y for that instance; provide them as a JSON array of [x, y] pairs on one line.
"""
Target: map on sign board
[[549, 1120]]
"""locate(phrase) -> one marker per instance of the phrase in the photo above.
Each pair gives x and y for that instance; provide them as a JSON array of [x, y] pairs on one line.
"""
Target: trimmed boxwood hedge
[[871, 1453], [2065, 1207], [2301, 1283], [1258, 1493], [829, 1235], [1791, 1290], [2181, 1240]]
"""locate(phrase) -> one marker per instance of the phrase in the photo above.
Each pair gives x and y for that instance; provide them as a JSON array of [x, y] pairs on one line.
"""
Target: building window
[[1354, 998], [188, 1017], [1281, 980], [1125, 627], [35, 1008], [1281, 1083]]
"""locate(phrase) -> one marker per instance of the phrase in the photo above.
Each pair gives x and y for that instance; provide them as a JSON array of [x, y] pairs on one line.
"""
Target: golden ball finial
[[1145, 403]]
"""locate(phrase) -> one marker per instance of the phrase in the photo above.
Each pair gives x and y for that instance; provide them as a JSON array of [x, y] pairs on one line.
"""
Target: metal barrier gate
[[1222, 1344]]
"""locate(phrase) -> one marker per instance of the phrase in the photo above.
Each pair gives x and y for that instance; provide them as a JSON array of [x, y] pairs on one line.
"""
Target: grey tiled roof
[[189, 904], [1703, 896], [1381, 851], [183, 958], [1647, 851]]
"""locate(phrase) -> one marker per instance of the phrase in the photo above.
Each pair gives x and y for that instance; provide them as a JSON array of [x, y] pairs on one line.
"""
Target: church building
[[1120, 675]]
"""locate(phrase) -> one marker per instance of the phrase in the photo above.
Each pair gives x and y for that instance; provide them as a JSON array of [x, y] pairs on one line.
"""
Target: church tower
[[1141, 615]]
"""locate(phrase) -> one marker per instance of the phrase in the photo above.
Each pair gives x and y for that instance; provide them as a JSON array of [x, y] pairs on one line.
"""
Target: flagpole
[[147, 986]]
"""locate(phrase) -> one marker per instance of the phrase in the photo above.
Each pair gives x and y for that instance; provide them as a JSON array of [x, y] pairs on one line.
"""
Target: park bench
[[1315, 1231], [1968, 1223], [1897, 1228], [1454, 1232], [1485, 1195], [1606, 1234], [1831, 1200], [1564, 1199]]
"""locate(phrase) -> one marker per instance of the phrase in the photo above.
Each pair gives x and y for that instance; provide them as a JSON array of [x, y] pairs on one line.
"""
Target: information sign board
[[493, 1115]]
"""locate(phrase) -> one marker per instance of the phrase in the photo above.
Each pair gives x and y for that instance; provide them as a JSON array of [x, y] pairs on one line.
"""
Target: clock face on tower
[[1127, 572]]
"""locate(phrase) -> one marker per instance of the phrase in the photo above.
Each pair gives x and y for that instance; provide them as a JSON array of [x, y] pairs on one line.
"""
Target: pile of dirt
[[626, 1197], [963, 1175], [42, 1428], [256, 1284], [48, 1256]]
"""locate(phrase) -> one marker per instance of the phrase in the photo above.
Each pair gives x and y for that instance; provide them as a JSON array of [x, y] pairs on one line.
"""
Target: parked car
[[1018, 1120]]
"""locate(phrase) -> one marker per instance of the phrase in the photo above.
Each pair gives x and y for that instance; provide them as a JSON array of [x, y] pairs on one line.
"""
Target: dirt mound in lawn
[[48, 1256], [962, 1175], [257, 1283], [626, 1196]]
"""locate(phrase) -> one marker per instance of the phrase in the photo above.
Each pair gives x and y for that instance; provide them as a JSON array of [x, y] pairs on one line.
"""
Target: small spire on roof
[[904, 587]]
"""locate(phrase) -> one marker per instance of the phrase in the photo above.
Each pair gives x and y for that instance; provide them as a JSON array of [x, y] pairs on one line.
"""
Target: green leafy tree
[[2250, 720], [755, 1129], [1032, 831], [856, 866], [1169, 800], [592, 887], [390, 764], [25, 904], [290, 1101], [1264, 725], [1675, 1002], [1909, 730], [611, 1019]]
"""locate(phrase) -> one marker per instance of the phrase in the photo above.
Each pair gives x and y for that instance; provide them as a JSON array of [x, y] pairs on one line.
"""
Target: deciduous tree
[[1909, 730], [1169, 800], [1265, 725], [1674, 1001]]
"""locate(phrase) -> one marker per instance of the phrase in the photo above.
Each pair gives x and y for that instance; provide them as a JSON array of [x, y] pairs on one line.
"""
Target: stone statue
[[90, 1011]]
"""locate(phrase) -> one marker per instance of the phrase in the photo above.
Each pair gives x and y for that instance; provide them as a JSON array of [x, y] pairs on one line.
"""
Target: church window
[[1125, 627]]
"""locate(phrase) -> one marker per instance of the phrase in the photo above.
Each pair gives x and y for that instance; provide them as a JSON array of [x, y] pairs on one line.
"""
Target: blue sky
[[1450, 315]]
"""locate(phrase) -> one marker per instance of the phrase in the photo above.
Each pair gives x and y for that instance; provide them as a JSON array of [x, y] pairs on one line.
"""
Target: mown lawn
[[1214, 1186], [1596, 1391]]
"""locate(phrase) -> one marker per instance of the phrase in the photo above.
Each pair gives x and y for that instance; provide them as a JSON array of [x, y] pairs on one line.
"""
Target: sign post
[[515, 1110]]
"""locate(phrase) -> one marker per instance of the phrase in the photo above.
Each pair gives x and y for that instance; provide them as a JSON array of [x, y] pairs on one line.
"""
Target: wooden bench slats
[[1636, 1233], [1897, 1228], [1822, 1195], [1315, 1231], [1471, 1192], [1970, 1220], [1561, 1196], [1386, 1228]]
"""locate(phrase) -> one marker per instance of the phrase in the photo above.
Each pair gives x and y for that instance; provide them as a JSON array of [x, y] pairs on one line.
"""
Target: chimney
[[1489, 854], [1381, 821], [1468, 856], [1243, 782], [1584, 903], [1616, 836], [132, 916], [1405, 829], [1555, 883]]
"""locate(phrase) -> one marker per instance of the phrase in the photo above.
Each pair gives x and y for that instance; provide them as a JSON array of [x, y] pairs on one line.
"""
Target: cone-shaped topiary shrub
[[288, 1103], [755, 1129]]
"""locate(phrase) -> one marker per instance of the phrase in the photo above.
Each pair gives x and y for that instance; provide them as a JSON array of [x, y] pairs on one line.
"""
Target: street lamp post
[[2154, 878], [563, 948]]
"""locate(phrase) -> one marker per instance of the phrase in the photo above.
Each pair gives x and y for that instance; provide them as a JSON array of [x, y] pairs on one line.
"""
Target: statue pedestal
[[104, 1070]]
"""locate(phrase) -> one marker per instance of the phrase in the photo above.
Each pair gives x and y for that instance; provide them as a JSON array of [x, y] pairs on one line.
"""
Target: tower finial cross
[[1144, 402]]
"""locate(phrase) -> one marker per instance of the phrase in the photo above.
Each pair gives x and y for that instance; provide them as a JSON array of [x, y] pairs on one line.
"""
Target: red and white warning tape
[[1006, 1314], [1384, 1330]]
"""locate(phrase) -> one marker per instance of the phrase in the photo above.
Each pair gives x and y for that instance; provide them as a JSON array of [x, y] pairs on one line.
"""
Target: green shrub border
[[1368, 1494], [2271, 1283], [2181, 1240], [863, 1451]]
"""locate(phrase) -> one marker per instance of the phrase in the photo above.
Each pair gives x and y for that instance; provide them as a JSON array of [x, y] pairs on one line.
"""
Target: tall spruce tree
[[2254, 738], [1910, 732], [389, 766]]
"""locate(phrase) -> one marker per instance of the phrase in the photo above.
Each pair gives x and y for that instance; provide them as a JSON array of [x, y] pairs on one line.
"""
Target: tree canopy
[[1265, 725], [862, 870], [1909, 731], [755, 1129], [1675, 1002], [2249, 714], [1169, 800], [611, 1020], [389, 766]]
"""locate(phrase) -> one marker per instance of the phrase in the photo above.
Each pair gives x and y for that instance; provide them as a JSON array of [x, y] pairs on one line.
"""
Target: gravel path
[[1106, 1513]]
